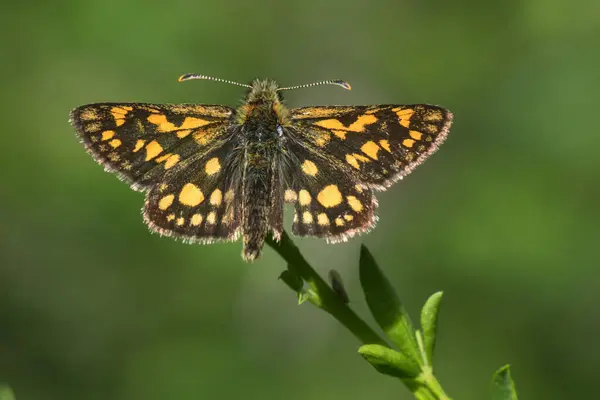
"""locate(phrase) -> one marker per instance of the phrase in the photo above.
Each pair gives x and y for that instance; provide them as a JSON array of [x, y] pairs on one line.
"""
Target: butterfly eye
[[279, 130]]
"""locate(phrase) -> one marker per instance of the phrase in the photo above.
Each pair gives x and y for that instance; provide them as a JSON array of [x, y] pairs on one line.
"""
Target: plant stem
[[424, 387], [430, 387], [327, 299]]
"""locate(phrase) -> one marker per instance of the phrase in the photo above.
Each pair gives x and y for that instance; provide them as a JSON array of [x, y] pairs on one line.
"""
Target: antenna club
[[186, 77], [341, 83]]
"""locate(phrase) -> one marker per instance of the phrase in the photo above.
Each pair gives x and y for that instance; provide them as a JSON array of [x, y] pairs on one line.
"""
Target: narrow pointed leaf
[[429, 315], [390, 362], [337, 285], [386, 307], [503, 387], [6, 393]]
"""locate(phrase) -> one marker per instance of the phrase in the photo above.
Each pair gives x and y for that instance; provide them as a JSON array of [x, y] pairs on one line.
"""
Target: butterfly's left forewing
[[140, 142]]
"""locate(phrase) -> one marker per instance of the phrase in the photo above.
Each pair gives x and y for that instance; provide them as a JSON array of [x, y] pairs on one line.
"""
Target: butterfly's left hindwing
[[201, 200], [141, 142]]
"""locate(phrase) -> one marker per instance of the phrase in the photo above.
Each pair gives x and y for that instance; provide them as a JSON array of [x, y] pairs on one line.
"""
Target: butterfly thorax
[[263, 107]]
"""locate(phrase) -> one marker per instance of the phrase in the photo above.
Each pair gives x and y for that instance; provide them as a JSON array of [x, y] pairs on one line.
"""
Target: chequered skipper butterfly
[[212, 172]]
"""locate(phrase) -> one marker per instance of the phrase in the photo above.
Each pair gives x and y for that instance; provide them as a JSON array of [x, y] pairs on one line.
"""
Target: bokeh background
[[504, 218]]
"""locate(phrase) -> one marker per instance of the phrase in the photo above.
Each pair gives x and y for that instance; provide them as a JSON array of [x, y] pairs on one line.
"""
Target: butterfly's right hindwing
[[329, 200]]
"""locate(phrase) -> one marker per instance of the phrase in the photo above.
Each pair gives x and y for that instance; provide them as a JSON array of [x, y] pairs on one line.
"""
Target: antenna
[[337, 82], [188, 77]]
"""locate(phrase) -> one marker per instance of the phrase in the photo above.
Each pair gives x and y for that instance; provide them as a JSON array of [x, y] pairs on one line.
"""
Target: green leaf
[[429, 315], [6, 393], [337, 285], [386, 307], [503, 387], [390, 362]]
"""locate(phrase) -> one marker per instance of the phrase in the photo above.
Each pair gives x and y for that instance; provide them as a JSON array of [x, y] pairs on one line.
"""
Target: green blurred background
[[504, 218]]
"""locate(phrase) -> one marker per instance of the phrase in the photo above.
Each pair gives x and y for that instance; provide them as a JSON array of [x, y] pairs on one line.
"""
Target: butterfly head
[[263, 105], [263, 91]]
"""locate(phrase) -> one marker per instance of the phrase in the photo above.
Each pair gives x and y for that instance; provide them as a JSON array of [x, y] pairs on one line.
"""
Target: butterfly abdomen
[[258, 198]]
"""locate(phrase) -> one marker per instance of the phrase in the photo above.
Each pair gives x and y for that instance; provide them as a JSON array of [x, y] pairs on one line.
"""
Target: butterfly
[[213, 173]]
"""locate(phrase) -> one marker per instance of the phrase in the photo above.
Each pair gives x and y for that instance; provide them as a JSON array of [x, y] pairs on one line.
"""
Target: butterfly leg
[[276, 208]]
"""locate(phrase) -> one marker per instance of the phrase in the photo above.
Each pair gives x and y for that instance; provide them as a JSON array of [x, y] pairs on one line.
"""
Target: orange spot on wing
[[360, 124], [191, 195], [404, 116], [309, 168], [350, 159], [415, 135], [118, 114], [330, 196], [304, 197], [354, 203], [172, 160], [385, 145], [153, 149], [330, 124], [166, 202], [340, 134], [212, 166], [371, 149], [107, 135], [138, 145], [183, 133], [163, 157], [196, 219], [161, 122], [307, 217], [191, 123], [216, 197], [322, 219], [357, 126]]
